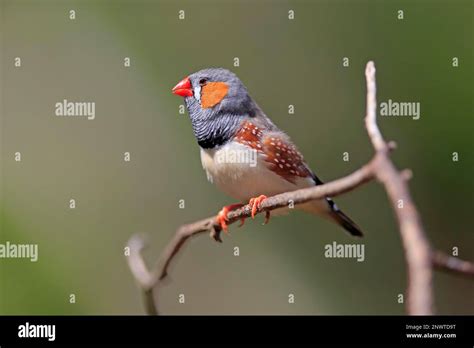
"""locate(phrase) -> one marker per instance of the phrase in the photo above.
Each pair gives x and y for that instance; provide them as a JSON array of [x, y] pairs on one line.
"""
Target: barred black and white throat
[[215, 124]]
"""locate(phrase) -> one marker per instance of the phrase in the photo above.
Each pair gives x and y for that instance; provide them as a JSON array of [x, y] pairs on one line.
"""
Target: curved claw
[[222, 219], [255, 203]]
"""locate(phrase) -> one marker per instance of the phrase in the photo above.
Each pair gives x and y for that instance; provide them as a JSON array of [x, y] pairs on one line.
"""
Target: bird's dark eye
[[202, 82]]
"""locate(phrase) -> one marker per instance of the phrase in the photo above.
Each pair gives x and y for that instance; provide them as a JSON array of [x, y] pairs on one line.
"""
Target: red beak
[[183, 88]]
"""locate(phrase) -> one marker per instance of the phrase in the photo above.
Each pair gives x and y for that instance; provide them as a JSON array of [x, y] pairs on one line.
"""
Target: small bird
[[243, 152]]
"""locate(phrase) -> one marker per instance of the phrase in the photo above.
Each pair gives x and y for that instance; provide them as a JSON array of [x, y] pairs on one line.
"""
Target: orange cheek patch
[[213, 93]]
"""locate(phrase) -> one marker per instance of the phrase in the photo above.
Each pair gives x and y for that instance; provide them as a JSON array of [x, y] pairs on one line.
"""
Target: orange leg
[[255, 204], [222, 215]]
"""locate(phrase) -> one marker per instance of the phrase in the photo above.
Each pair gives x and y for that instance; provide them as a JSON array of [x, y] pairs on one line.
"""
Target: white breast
[[242, 172]]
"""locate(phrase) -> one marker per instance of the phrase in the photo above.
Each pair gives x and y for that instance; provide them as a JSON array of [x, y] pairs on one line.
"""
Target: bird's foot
[[222, 216], [255, 203]]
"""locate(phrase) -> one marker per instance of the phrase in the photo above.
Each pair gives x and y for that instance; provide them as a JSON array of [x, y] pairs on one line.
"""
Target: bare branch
[[371, 117], [140, 271], [418, 254], [177, 242], [452, 264], [334, 188]]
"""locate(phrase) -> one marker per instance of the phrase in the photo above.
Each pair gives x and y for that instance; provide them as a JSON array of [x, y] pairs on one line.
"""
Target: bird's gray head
[[217, 102]]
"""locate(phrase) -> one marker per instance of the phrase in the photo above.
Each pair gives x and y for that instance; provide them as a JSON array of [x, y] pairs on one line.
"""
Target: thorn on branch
[[406, 174]]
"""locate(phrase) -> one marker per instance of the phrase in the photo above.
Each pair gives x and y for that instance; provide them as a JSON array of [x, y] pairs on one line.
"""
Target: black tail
[[349, 225]]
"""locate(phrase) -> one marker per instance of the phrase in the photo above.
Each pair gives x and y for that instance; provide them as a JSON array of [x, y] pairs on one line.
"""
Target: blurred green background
[[282, 62]]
